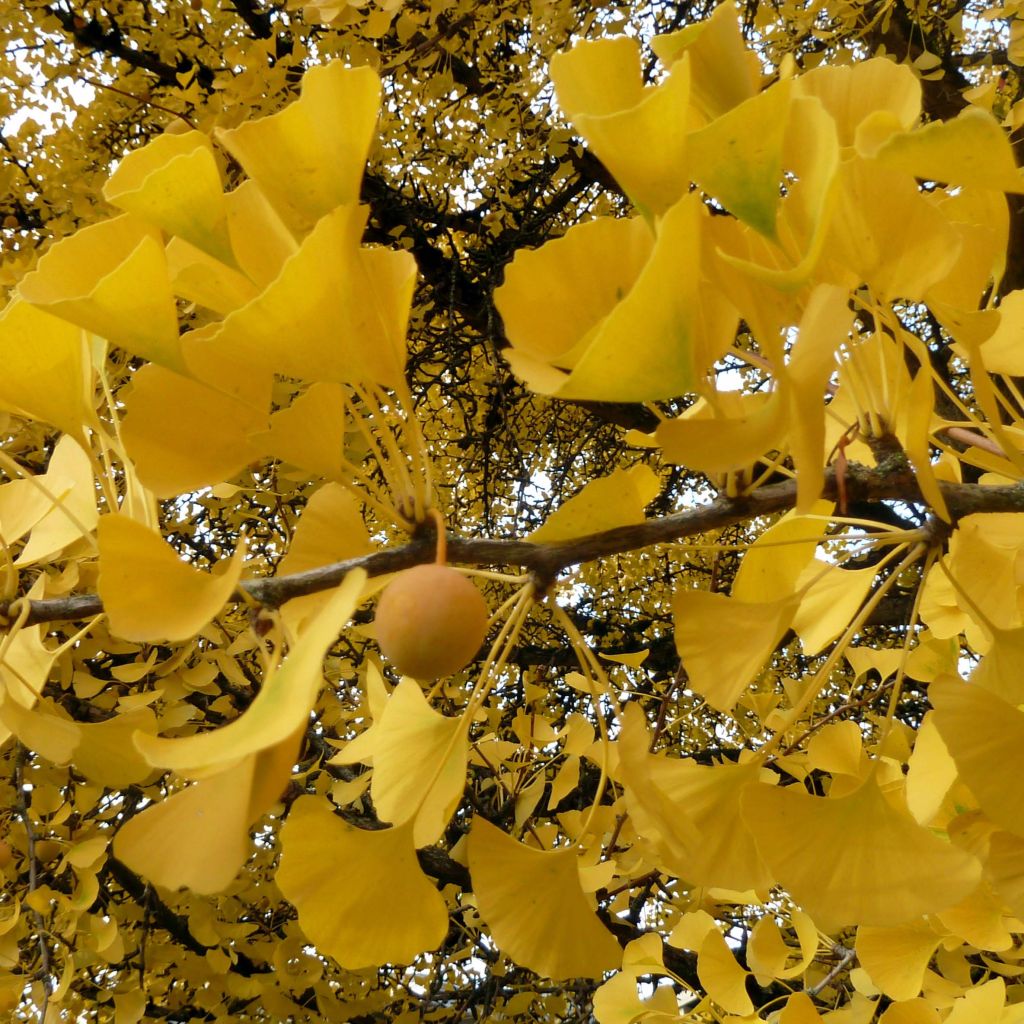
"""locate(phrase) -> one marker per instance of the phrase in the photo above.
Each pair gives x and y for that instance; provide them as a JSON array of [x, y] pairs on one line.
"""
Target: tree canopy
[[688, 339]]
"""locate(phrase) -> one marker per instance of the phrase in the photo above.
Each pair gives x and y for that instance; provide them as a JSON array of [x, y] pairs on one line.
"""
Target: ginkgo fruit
[[430, 621]]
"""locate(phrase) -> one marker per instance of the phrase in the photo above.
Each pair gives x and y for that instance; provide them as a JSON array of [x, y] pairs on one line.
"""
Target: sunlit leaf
[[985, 737], [722, 665], [690, 812], [737, 158], [112, 279], [173, 182], [392, 916], [896, 958], [308, 158], [970, 149], [535, 908], [856, 859], [148, 592], [638, 133], [419, 764], [282, 705], [47, 375], [174, 453], [214, 816], [336, 312], [725, 71], [605, 503]]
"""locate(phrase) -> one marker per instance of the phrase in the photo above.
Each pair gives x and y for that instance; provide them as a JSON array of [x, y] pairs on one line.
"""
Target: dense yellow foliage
[[688, 336]]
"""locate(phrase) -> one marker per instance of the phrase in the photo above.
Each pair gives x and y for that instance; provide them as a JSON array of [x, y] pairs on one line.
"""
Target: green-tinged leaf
[[173, 182], [737, 158]]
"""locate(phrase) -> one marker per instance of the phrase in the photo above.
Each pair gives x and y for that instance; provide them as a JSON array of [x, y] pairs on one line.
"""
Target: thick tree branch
[[891, 482]]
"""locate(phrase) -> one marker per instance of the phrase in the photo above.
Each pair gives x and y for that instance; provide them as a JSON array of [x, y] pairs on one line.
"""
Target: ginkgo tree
[[512, 512]]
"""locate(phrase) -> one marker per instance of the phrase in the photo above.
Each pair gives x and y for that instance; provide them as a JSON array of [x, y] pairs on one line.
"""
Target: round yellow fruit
[[430, 621]]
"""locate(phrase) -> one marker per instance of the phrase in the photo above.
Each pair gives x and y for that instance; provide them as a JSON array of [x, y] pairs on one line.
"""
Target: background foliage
[[712, 764]]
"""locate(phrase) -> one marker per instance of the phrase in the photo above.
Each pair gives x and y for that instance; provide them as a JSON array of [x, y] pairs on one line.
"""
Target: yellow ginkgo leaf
[[833, 597], [1001, 350], [799, 1009], [773, 564], [53, 736], [737, 158], [618, 1002], [173, 452], [690, 812], [148, 592], [72, 513], [47, 373], [313, 431], [979, 919], [308, 158], [852, 92], [173, 182], [896, 958], [419, 764], [281, 706], [260, 239], [722, 977], [811, 158], [656, 323], [199, 838], [985, 737], [106, 754], [770, 956], [856, 859], [724, 642], [336, 312], [204, 280], [392, 916], [725, 71], [884, 232], [330, 529], [1006, 869], [638, 133], [912, 1011], [824, 326], [615, 500], [111, 278], [970, 149], [730, 435], [980, 1005], [554, 296], [26, 666], [535, 907], [931, 772]]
